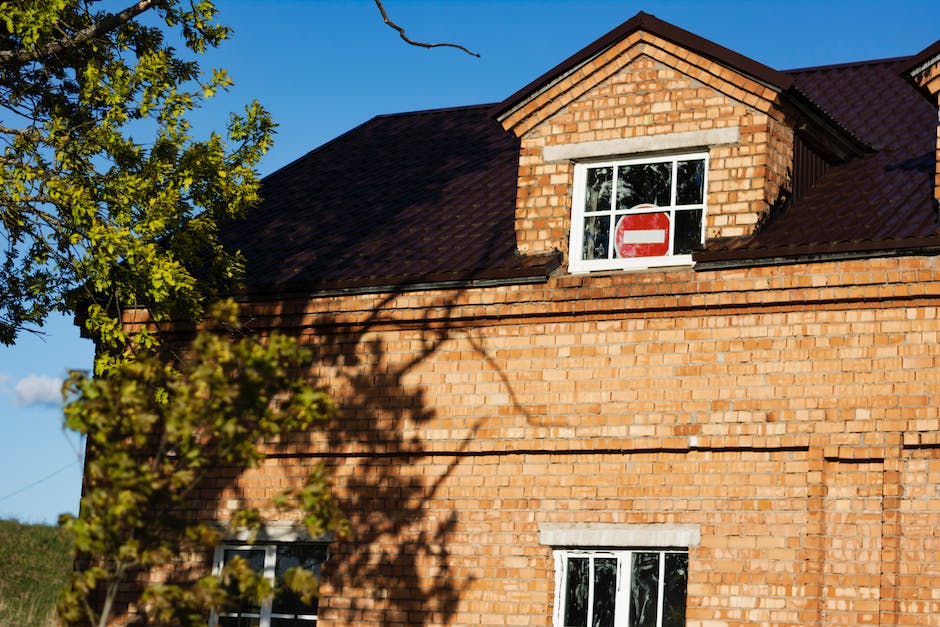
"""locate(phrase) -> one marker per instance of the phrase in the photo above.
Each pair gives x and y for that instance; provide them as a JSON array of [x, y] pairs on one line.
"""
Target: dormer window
[[638, 213]]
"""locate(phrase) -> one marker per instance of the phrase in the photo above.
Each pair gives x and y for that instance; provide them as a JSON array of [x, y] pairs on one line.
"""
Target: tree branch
[[420, 44], [109, 23]]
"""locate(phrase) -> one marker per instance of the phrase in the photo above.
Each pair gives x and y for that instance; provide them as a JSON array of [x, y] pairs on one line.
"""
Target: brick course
[[790, 412]]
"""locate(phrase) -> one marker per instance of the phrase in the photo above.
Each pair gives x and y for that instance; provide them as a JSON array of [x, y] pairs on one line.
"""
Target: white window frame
[[622, 603], [577, 265], [265, 614]]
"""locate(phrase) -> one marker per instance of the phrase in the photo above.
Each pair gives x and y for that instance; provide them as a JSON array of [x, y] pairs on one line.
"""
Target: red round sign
[[642, 234]]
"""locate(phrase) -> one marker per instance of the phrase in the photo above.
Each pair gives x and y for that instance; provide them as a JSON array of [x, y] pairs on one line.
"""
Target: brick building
[[651, 342]]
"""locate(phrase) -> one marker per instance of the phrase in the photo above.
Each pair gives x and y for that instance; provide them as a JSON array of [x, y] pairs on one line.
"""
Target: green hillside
[[34, 563]]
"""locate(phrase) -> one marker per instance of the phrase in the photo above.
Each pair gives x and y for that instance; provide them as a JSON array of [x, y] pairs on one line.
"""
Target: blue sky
[[322, 68]]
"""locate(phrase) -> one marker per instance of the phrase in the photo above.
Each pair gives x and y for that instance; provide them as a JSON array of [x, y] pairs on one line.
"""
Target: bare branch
[[420, 44], [109, 23], [30, 131]]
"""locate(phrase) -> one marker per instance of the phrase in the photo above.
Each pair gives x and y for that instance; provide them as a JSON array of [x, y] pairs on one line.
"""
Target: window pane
[[605, 591], [255, 559], [688, 232], [597, 189], [644, 589], [576, 592], [310, 557], [644, 183], [674, 591], [596, 237], [690, 182]]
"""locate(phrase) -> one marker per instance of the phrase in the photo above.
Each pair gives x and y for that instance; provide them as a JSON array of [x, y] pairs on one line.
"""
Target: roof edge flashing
[[923, 67], [762, 74], [800, 258], [542, 276]]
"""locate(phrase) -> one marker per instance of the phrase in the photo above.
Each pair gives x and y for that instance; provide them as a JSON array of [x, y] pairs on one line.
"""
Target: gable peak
[[647, 23]]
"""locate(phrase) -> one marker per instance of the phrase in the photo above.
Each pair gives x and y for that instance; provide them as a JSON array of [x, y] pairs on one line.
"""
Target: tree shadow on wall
[[410, 554], [395, 566]]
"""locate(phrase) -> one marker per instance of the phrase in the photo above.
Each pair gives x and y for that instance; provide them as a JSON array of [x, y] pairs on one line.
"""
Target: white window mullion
[[622, 608], [270, 559], [590, 596], [701, 240], [660, 593], [612, 231]]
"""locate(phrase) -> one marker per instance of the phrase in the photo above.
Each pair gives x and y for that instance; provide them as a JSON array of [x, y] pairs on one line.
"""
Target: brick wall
[[790, 412], [642, 87]]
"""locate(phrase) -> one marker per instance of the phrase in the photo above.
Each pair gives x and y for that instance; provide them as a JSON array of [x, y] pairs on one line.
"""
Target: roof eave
[[535, 269], [911, 67], [815, 253]]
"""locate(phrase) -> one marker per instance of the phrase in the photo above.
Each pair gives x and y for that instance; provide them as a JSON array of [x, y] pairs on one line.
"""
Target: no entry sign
[[642, 234]]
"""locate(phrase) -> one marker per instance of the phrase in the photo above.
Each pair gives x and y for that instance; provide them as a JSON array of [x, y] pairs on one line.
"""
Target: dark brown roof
[[402, 199], [654, 25], [429, 197], [880, 202]]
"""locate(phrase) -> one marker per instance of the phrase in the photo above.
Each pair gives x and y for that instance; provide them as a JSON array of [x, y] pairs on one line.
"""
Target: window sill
[[673, 262]]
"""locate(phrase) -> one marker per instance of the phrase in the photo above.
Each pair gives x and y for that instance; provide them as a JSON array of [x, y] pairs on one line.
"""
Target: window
[[619, 588], [638, 213], [286, 608]]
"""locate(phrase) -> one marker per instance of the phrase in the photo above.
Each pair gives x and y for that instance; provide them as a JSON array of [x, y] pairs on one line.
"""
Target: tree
[[107, 200], [155, 432]]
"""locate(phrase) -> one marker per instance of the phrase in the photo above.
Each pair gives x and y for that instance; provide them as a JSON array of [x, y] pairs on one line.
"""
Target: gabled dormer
[[652, 141]]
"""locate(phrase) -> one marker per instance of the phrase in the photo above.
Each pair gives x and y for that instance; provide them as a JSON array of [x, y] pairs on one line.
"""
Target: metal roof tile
[[430, 196]]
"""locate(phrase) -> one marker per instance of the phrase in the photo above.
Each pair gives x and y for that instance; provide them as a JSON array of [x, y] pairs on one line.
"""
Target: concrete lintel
[[612, 535], [638, 145], [276, 532]]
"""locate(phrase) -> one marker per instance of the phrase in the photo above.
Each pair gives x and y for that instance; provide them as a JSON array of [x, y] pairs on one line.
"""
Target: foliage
[[35, 563], [106, 198], [155, 433]]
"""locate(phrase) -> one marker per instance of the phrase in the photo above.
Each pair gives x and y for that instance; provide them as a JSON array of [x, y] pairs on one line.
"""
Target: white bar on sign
[[657, 236]]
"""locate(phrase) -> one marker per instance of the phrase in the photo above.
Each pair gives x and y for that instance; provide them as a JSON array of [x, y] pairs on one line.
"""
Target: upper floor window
[[640, 588], [638, 213]]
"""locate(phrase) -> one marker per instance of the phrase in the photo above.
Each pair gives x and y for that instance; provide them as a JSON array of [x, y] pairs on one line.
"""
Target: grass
[[34, 563]]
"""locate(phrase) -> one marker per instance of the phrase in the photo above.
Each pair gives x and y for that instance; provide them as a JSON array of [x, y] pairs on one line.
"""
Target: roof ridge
[[341, 136], [485, 106], [846, 65]]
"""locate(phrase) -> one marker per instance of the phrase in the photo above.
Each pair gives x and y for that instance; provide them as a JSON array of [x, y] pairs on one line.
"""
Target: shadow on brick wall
[[395, 566]]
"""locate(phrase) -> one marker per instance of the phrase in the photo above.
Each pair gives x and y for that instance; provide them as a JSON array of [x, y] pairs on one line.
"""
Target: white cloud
[[37, 389], [4, 379]]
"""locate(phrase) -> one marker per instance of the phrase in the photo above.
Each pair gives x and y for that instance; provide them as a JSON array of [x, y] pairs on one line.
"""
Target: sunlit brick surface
[[790, 412]]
